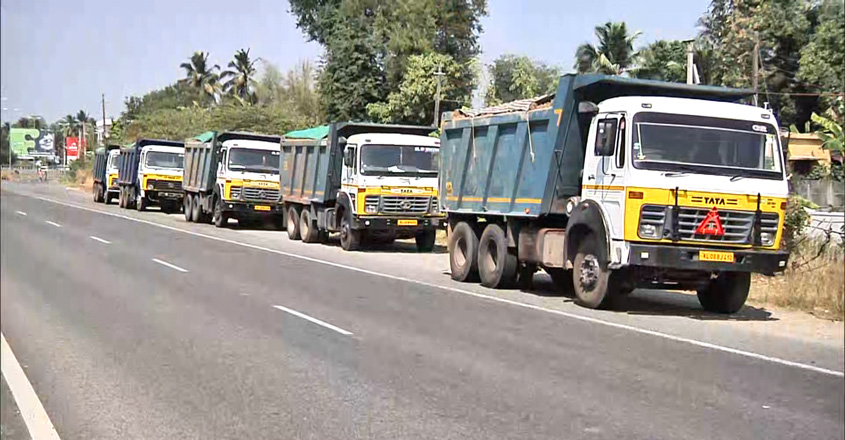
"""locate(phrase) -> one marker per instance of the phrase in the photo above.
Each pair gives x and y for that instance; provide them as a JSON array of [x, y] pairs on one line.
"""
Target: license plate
[[406, 222], [722, 257], [261, 208]]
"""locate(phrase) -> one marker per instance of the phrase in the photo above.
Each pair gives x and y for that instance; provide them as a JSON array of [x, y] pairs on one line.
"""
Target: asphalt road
[[130, 330]]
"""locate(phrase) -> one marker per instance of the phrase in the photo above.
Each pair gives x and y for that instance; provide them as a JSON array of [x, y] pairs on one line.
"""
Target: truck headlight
[[649, 231], [150, 186], [371, 209], [767, 238]]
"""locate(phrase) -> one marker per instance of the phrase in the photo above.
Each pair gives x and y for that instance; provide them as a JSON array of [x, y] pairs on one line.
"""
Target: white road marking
[[749, 354], [172, 266], [314, 320], [99, 239], [20, 213], [52, 223], [32, 411]]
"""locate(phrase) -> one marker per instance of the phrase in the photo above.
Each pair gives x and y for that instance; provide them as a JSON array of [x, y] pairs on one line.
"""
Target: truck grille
[[235, 192], [262, 194], [738, 225], [165, 185], [402, 204], [405, 204]]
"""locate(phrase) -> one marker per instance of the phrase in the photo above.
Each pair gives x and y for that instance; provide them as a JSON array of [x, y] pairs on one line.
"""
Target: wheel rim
[[589, 272], [491, 257], [292, 222], [461, 254], [303, 226], [344, 231]]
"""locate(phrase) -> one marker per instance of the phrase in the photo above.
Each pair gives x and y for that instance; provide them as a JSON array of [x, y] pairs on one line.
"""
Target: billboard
[[31, 142], [72, 147]]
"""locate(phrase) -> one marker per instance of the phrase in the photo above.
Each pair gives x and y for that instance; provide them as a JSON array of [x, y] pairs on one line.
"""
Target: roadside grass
[[814, 282]]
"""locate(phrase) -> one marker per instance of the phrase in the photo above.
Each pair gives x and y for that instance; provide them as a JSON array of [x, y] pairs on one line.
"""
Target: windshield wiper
[[737, 177]]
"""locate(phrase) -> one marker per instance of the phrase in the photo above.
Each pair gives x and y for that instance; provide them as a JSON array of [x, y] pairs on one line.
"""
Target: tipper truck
[[232, 175], [616, 183], [150, 174], [368, 182], [105, 173]]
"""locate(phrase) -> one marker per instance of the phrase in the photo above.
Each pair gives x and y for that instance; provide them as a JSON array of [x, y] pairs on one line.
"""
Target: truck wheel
[[591, 277], [219, 218], [107, 198], [425, 240], [196, 211], [120, 197], [188, 207], [307, 228], [496, 264], [97, 195], [562, 279], [463, 256], [350, 239], [293, 222], [140, 202], [726, 293]]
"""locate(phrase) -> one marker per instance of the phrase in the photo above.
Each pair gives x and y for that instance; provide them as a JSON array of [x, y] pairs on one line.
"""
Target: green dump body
[[528, 163]]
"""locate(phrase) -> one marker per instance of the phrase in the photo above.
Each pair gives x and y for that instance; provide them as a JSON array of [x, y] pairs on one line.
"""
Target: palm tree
[[200, 76], [239, 77], [68, 125], [614, 54]]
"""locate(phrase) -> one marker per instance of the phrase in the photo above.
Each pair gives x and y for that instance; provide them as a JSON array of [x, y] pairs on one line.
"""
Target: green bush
[[796, 220]]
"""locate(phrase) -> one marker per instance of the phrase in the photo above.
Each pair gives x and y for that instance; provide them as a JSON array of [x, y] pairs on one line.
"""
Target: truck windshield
[[254, 160], [161, 159], [704, 145], [112, 164], [399, 159]]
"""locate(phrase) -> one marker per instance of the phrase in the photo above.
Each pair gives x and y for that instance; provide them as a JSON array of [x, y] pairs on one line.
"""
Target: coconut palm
[[200, 76], [239, 77], [614, 54], [69, 125]]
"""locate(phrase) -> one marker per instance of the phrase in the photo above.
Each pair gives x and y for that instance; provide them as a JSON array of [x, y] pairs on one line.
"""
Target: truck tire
[[425, 240], [108, 198], [726, 293], [188, 207], [196, 212], [122, 197], [140, 202], [220, 218], [496, 264], [293, 222], [463, 254], [308, 228], [279, 222], [98, 194], [590, 277], [350, 239]]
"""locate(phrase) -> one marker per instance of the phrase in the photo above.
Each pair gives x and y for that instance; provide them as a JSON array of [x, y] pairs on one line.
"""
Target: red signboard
[[72, 147]]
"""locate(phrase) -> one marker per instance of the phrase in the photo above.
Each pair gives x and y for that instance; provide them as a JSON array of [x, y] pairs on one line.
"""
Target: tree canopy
[[515, 77]]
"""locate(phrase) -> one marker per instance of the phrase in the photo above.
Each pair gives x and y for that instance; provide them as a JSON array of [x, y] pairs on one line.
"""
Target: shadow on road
[[658, 303]]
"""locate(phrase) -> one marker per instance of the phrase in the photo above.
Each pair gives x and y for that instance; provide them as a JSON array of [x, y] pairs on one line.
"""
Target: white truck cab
[[112, 169], [703, 159], [385, 166], [160, 177]]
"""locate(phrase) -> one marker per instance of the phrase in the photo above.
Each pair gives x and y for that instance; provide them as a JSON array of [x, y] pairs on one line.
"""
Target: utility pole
[[755, 62], [690, 62], [439, 76], [104, 120]]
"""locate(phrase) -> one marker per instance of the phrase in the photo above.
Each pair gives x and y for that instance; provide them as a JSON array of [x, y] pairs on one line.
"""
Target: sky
[[57, 57]]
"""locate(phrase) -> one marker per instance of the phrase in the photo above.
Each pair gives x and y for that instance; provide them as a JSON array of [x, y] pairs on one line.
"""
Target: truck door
[[604, 169]]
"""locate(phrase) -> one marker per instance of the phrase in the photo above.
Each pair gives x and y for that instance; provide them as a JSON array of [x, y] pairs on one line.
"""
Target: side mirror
[[587, 108], [349, 158], [606, 137]]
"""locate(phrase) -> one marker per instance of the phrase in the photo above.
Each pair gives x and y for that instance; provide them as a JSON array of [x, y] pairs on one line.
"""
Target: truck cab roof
[[687, 106], [393, 139]]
